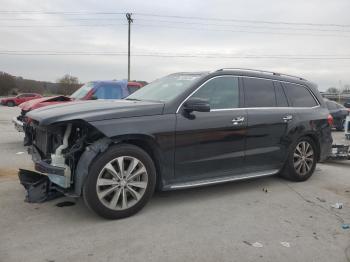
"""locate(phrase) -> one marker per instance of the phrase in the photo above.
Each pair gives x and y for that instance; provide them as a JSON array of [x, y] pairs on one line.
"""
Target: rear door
[[269, 119], [211, 144]]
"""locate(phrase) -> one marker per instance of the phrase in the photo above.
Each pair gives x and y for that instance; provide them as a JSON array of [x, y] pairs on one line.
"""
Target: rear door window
[[299, 96], [222, 92], [259, 93]]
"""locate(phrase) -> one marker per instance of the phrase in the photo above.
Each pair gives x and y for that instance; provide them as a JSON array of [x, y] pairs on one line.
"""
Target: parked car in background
[[347, 104], [114, 89], [338, 112], [19, 99], [183, 130]]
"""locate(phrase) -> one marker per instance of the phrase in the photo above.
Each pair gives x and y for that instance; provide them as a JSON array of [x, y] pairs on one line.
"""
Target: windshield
[[166, 88], [82, 91]]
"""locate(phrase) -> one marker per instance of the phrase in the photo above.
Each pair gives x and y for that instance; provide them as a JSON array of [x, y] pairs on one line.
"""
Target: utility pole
[[130, 20]]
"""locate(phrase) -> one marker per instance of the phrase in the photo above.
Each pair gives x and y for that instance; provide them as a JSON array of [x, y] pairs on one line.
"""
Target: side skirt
[[213, 181]]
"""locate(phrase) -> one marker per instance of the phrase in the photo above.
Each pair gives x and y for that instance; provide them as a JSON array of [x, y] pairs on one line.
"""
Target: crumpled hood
[[44, 101], [95, 110]]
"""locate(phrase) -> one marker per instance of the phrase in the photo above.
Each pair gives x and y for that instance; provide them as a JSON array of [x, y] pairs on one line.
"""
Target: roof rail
[[261, 71]]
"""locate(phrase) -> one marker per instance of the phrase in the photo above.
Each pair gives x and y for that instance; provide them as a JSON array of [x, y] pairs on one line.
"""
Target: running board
[[220, 180]]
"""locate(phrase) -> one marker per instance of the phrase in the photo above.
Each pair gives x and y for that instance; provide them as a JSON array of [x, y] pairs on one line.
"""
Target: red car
[[92, 90], [17, 100]]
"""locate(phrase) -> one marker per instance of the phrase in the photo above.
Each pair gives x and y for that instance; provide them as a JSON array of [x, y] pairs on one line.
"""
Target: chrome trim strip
[[223, 180], [226, 109], [263, 108]]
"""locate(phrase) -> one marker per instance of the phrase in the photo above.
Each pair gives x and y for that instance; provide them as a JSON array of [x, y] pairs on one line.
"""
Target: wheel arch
[[149, 145], [315, 139]]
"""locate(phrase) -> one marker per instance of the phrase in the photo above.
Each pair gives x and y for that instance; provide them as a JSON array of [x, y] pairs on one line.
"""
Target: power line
[[243, 26], [9, 12], [212, 56], [243, 20], [195, 28], [161, 21], [239, 31]]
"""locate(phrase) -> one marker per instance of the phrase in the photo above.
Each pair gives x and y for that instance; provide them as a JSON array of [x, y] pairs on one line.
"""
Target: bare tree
[[7, 83], [68, 84], [333, 90]]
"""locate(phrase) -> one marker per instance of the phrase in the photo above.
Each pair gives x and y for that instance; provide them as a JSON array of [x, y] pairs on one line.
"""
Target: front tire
[[120, 182], [301, 162]]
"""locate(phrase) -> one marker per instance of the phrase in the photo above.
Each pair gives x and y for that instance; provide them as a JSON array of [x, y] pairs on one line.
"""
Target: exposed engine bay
[[56, 151]]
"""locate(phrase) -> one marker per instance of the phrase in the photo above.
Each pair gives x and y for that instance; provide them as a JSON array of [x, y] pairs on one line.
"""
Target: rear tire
[[120, 182], [301, 162], [10, 103]]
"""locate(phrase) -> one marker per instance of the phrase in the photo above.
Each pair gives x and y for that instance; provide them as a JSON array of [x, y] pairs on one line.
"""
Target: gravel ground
[[217, 223]]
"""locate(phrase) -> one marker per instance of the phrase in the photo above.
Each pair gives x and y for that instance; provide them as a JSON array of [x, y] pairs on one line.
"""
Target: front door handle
[[287, 118], [238, 120]]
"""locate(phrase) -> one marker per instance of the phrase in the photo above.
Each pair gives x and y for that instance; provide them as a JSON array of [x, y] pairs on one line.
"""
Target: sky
[[43, 40]]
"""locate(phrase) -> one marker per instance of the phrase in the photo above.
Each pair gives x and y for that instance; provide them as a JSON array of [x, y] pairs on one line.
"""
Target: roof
[[264, 74]]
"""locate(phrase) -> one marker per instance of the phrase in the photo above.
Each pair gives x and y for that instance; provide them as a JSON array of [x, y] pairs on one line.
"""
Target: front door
[[211, 144]]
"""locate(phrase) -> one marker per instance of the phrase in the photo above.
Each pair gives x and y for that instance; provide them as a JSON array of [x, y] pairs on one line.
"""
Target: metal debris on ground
[[345, 226], [320, 199], [285, 244], [337, 205], [255, 244], [19, 153]]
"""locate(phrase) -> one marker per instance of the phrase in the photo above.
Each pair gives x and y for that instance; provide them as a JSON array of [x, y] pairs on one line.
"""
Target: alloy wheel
[[303, 158], [121, 183]]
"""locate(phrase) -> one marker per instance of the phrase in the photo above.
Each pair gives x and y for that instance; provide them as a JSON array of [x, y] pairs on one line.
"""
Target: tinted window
[[132, 89], [299, 96], [259, 93], [222, 92], [331, 105], [281, 99], [108, 91]]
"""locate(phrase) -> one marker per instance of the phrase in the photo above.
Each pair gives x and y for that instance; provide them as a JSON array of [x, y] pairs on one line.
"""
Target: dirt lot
[[217, 223]]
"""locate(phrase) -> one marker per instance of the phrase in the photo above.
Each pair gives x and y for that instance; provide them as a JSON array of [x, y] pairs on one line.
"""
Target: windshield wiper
[[133, 99]]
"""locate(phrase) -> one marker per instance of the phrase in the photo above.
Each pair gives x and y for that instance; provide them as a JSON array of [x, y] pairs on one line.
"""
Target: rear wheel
[[301, 161], [120, 182], [10, 103]]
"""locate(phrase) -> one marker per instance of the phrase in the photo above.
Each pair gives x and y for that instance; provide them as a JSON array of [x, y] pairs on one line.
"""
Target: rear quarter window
[[299, 96]]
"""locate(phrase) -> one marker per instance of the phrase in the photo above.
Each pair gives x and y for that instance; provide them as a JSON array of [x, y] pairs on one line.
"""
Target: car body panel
[[95, 110], [19, 99], [188, 149], [208, 144]]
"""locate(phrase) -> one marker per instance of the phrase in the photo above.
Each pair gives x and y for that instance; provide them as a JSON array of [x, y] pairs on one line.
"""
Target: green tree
[[7, 83], [68, 84]]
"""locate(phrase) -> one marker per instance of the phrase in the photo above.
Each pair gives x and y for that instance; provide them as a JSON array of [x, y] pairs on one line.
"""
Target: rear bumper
[[18, 124]]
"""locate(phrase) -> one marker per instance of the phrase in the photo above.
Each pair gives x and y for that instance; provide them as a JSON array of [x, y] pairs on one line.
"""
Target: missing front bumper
[[38, 187]]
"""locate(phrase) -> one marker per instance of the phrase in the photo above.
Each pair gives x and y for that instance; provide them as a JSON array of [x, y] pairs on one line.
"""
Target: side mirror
[[196, 104]]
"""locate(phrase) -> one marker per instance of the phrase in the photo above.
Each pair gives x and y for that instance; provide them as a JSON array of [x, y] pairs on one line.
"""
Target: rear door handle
[[238, 120], [287, 118]]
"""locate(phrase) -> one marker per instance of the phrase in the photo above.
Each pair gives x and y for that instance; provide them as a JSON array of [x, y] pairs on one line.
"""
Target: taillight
[[330, 120]]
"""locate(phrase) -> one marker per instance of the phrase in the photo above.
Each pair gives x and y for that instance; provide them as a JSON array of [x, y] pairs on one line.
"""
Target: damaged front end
[[56, 151]]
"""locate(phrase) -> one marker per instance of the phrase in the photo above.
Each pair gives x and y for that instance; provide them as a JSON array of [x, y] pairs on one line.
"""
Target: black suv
[[184, 130]]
